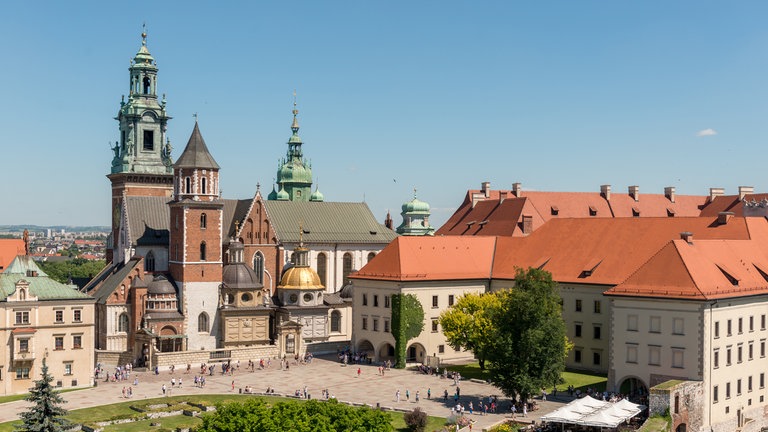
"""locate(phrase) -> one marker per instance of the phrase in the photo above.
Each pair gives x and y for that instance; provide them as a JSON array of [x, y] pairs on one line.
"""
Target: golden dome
[[302, 278]]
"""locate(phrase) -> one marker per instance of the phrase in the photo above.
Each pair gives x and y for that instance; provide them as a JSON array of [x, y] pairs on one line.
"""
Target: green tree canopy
[[407, 323], [312, 416], [530, 345], [469, 324], [46, 413], [61, 271]]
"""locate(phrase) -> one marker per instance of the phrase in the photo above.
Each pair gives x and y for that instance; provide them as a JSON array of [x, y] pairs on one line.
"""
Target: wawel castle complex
[[666, 294]]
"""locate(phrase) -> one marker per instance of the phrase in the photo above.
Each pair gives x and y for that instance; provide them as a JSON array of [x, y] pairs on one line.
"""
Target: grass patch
[[579, 380], [655, 424], [398, 422], [169, 423]]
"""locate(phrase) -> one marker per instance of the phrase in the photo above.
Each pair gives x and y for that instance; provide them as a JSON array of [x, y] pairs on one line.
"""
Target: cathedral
[[193, 277]]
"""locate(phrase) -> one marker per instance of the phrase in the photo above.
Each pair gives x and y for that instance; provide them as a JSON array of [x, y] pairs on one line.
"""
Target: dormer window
[[592, 211]]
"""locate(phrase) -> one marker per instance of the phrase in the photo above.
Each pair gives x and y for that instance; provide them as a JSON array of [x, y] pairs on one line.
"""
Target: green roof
[[42, 287]]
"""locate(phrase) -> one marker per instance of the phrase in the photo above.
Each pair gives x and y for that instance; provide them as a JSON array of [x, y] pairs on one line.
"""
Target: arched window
[[202, 251], [203, 221], [147, 85], [203, 186], [370, 256], [336, 321], [149, 262], [347, 267], [258, 266], [322, 268], [122, 323], [187, 185], [202, 322]]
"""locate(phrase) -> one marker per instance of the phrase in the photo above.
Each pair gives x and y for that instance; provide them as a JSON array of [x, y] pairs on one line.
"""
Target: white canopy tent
[[589, 411]]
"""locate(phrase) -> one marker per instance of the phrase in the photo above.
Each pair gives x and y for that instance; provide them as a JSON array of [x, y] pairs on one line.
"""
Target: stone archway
[[634, 387], [681, 428], [365, 346], [416, 353], [386, 352]]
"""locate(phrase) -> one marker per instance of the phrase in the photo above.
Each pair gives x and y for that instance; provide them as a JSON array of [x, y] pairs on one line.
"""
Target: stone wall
[[326, 347], [683, 399], [181, 358], [110, 359]]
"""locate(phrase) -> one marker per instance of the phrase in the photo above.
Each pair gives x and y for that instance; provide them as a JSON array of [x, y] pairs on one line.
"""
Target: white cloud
[[706, 132]]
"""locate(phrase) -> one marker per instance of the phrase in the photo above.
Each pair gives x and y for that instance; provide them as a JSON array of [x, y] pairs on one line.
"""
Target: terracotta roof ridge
[[679, 242]]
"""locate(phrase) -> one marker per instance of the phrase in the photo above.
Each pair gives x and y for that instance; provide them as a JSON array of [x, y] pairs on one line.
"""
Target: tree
[[529, 348], [61, 271], [407, 323], [46, 414], [416, 420], [468, 324]]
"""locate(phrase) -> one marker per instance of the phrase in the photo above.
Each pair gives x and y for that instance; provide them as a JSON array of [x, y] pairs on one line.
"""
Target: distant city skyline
[[437, 96]]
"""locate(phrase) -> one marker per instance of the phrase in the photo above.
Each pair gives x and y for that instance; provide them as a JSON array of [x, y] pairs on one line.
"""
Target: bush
[[416, 420]]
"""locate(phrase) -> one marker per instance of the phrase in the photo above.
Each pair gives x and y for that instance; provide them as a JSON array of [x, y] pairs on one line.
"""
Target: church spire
[[294, 176]]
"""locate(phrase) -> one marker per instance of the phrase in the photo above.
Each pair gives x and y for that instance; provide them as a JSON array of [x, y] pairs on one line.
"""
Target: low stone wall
[[326, 347], [111, 359], [181, 358], [683, 399]]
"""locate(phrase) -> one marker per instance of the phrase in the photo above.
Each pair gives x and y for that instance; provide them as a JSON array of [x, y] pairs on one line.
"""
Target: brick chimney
[[687, 236], [634, 192], [485, 188], [669, 192], [724, 217], [517, 189], [715, 192], [527, 224], [605, 191], [744, 191]]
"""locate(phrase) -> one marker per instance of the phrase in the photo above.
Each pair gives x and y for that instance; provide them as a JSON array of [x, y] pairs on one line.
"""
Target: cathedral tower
[[195, 263], [141, 164], [294, 177]]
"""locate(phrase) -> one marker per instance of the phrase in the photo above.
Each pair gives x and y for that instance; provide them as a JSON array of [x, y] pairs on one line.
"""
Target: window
[[365, 323], [77, 341], [596, 358], [751, 323], [59, 316], [728, 356], [715, 394], [322, 268], [729, 327], [578, 305], [577, 330], [58, 342], [187, 185], [597, 306], [365, 299], [632, 323], [386, 301], [203, 220], [258, 267], [149, 140], [149, 262], [738, 386], [678, 326], [375, 324], [122, 325], [678, 359], [203, 187], [346, 267], [434, 325], [739, 350], [202, 251], [596, 332], [375, 300], [762, 322], [762, 379], [202, 322], [716, 358], [727, 390], [22, 373], [386, 326], [632, 354], [22, 317], [740, 325], [762, 348], [751, 350], [577, 355], [434, 301], [24, 345], [77, 315], [654, 355], [655, 324], [441, 349], [450, 299], [749, 383], [336, 321], [717, 329], [370, 256], [67, 368]]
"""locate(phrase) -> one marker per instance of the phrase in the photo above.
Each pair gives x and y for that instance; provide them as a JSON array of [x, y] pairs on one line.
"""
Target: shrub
[[416, 420]]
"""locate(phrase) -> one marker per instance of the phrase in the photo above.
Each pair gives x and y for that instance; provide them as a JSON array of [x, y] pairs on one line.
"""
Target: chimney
[[687, 236], [724, 217], [669, 192], [744, 191], [527, 224], [485, 188], [517, 189], [634, 192], [502, 196], [715, 192], [605, 191]]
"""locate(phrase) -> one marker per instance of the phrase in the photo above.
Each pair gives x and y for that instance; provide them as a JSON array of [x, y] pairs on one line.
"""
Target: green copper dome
[[415, 206], [272, 195], [283, 195], [415, 218], [294, 174], [317, 195]]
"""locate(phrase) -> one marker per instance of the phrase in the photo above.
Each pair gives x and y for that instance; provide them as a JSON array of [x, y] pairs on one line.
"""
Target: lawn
[[579, 380], [123, 409], [12, 398]]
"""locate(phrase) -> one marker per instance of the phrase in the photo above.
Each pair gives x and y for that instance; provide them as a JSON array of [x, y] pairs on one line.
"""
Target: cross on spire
[[144, 34]]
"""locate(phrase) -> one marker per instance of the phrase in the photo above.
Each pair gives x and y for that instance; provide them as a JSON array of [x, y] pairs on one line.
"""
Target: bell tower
[[294, 176], [141, 163]]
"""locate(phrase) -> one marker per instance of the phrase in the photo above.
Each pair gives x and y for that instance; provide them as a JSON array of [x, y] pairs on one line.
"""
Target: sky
[[392, 95]]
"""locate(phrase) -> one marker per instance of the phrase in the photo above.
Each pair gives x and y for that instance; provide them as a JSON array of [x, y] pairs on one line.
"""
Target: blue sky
[[437, 95]]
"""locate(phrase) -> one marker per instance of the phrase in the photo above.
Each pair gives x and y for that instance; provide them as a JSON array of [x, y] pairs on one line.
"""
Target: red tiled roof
[[701, 270], [431, 258], [620, 245], [9, 248], [657, 205], [730, 203]]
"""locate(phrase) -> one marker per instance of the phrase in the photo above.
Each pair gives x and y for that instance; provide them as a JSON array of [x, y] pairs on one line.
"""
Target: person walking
[[397, 395], [445, 395], [417, 396], [359, 371], [164, 388], [429, 393], [407, 395]]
